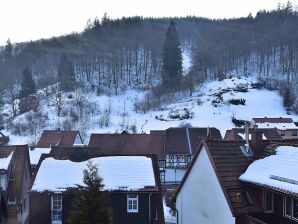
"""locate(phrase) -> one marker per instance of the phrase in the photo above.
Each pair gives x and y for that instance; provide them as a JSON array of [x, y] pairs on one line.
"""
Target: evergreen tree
[[288, 99], [27, 84], [172, 56], [66, 75], [90, 205], [8, 50]]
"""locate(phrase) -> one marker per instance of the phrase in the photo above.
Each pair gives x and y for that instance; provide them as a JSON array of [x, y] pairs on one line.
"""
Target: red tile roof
[[229, 163], [186, 140], [129, 144], [269, 133], [57, 138]]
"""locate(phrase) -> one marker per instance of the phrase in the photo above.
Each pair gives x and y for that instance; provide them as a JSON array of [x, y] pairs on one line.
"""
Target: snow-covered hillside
[[208, 106]]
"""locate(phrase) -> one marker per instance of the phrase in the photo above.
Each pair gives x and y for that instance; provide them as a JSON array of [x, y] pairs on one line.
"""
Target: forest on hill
[[115, 54]]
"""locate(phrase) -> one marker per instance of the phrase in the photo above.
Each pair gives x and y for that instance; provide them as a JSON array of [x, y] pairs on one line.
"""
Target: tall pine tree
[[288, 99], [172, 57], [90, 205], [66, 74], [8, 49], [27, 84]]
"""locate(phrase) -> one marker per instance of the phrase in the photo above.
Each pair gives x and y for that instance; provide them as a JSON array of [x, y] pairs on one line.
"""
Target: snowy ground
[[259, 103], [169, 217]]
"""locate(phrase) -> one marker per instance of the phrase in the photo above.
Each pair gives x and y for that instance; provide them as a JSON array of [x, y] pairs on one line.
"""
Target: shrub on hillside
[[240, 101]]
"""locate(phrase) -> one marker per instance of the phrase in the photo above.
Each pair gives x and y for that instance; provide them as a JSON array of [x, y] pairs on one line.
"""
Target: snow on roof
[[4, 162], [276, 171], [243, 136], [281, 126], [36, 153], [118, 173]]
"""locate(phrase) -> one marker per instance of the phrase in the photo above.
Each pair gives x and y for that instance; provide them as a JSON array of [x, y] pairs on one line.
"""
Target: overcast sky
[[23, 20]]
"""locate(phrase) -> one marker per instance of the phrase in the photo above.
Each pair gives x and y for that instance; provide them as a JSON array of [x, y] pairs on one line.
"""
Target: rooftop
[[57, 138], [119, 173], [278, 171]]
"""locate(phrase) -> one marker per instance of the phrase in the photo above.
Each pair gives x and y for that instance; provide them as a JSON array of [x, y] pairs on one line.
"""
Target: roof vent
[[246, 150], [284, 179]]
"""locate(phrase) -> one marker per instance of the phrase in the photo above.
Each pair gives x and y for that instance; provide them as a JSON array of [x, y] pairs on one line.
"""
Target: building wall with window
[[275, 211], [201, 197], [289, 134], [41, 205]]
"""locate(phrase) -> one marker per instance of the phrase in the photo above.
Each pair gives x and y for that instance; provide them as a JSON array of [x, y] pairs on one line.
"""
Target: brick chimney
[[256, 142]]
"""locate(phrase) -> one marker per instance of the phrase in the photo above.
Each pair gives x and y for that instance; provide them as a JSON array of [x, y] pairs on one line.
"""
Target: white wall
[[201, 200], [174, 175]]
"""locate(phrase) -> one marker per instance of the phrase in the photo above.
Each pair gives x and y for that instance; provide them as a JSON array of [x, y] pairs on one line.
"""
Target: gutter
[[150, 208]]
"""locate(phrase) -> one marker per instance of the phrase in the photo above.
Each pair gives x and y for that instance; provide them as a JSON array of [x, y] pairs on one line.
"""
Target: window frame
[[292, 209], [132, 198], [53, 217], [265, 201], [294, 132], [282, 133]]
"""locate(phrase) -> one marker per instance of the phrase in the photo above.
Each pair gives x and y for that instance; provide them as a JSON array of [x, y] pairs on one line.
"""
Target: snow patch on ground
[[169, 217]]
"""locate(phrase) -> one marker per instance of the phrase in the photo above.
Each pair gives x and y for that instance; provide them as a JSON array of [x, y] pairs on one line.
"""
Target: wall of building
[[24, 213], [201, 197], [289, 135], [40, 208]]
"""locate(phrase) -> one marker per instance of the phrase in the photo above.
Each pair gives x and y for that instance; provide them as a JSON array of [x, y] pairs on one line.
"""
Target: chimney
[[256, 142], [208, 132], [246, 128]]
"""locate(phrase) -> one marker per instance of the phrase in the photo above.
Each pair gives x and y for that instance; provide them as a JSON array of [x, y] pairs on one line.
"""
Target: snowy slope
[[259, 103]]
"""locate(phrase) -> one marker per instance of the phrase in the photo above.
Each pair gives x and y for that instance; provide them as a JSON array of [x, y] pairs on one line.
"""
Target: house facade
[[180, 146], [132, 183], [286, 127], [174, 147], [15, 176], [222, 186]]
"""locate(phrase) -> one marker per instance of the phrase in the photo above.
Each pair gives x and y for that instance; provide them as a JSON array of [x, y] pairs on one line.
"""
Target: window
[[132, 203], [268, 201], [291, 208], [56, 209], [282, 132], [295, 208], [294, 132], [246, 199]]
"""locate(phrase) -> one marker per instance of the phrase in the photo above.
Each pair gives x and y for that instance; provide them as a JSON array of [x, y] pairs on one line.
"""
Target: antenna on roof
[[246, 127], [208, 131]]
